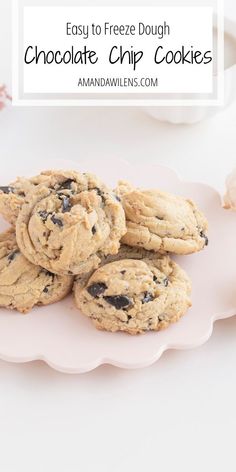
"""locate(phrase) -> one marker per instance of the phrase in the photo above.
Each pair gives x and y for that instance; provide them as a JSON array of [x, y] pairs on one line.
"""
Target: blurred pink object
[[3, 96], [230, 196]]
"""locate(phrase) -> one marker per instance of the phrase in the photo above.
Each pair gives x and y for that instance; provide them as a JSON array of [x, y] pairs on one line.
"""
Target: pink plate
[[67, 341]]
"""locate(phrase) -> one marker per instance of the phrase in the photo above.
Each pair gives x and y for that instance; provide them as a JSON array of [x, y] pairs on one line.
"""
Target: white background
[[177, 415]]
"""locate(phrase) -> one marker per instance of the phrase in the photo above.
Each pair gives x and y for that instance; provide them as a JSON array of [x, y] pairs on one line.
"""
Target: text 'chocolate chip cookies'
[[22, 284], [69, 223], [162, 222]]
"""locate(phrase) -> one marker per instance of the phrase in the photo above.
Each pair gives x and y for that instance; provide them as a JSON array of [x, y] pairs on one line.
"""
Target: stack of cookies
[[69, 230]]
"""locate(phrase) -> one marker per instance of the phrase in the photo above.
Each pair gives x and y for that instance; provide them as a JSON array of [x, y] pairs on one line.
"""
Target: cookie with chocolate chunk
[[67, 225], [162, 222], [12, 196], [24, 285], [135, 295]]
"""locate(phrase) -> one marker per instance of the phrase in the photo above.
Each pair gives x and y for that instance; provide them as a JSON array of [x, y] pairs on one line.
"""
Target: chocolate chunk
[[118, 301], [57, 221], [166, 281], [96, 289], [98, 190], [159, 218], [12, 256], [66, 205], [43, 215], [7, 189], [123, 272], [66, 185], [148, 297], [48, 273], [205, 237], [100, 193], [45, 290], [94, 229], [129, 317]]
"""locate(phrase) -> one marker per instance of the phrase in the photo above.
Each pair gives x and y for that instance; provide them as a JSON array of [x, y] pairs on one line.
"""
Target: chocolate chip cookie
[[24, 285], [162, 222], [67, 225], [135, 295], [12, 196]]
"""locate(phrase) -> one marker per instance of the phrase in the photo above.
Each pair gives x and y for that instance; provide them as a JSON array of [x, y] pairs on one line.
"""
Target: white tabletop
[[178, 414]]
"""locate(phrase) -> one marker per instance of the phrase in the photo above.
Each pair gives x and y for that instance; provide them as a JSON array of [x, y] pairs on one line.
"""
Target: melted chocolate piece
[[57, 221], [43, 215], [66, 205], [148, 297], [94, 229], [48, 273], [66, 185], [45, 290], [205, 237], [100, 193], [118, 301], [123, 272], [7, 189], [166, 281], [12, 256], [98, 190], [96, 289]]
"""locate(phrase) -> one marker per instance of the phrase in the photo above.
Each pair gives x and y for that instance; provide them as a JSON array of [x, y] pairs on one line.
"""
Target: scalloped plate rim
[[114, 362]]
